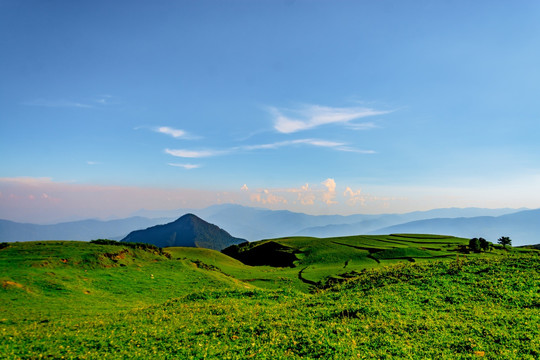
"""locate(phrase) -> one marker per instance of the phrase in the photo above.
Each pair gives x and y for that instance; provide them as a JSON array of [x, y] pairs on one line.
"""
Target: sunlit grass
[[200, 304]]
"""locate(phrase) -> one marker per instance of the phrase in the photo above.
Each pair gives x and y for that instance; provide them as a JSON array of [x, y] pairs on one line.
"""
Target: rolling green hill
[[395, 296], [38, 278]]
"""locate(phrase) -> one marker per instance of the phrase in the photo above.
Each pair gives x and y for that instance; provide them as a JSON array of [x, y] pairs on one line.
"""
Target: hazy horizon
[[69, 214], [319, 107]]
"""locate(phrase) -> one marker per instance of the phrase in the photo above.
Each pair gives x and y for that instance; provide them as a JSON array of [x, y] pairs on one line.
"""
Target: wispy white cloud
[[93, 163], [314, 142], [361, 126], [358, 151], [186, 166], [194, 153], [311, 116], [176, 133], [339, 146]]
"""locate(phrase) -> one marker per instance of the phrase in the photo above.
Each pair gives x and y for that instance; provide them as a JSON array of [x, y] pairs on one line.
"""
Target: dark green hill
[[189, 230]]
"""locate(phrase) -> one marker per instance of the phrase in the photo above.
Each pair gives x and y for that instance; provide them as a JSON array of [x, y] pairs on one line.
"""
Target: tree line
[[480, 244]]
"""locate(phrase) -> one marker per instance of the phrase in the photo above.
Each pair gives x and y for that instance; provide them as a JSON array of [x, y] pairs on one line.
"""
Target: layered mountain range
[[523, 226]]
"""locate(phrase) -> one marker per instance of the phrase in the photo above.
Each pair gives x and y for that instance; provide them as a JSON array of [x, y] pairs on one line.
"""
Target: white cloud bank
[[305, 196]]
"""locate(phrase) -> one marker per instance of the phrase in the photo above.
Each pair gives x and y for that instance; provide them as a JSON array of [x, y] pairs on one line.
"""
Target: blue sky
[[315, 106]]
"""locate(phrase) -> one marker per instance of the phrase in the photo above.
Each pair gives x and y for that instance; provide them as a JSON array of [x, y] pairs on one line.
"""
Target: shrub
[[105, 242], [484, 244], [474, 245]]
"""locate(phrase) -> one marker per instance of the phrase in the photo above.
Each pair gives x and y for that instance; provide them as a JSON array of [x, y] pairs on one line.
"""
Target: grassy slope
[[68, 299], [44, 279]]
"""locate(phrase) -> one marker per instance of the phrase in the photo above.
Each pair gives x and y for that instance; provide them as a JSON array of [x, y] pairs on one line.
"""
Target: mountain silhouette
[[188, 230]]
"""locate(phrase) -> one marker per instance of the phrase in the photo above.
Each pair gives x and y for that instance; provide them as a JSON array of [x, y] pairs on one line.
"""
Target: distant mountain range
[[188, 230], [84, 230], [257, 223], [522, 227]]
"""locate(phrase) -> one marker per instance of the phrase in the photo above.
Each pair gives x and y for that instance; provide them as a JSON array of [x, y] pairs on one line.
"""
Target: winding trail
[[304, 280]]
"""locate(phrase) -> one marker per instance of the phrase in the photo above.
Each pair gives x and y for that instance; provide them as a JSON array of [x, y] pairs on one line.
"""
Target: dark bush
[[142, 246], [105, 242], [474, 245], [484, 244]]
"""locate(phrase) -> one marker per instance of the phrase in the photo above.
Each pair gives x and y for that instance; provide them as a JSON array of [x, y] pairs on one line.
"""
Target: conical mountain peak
[[189, 230]]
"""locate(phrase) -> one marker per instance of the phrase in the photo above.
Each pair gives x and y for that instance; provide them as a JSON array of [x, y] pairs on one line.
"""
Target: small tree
[[504, 240], [484, 244], [474, 245]]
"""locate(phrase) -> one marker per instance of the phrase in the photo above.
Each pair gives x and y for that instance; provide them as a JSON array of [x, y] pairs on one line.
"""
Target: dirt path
[[304, 280]]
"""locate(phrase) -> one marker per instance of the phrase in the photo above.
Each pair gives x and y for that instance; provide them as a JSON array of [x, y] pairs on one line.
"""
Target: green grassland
[[395, 297]]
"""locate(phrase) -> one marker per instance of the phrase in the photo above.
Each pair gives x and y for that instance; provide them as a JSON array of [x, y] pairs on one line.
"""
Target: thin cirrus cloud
[[194, 153], [361, 126], [314, 142], [312, 116], [339, 146], [186, 166]]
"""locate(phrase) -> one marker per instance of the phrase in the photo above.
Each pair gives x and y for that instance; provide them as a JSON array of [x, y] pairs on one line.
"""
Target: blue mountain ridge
[[258, 223]]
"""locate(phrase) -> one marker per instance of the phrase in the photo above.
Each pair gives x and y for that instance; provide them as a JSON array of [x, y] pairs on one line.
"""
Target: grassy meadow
[[360, 297]]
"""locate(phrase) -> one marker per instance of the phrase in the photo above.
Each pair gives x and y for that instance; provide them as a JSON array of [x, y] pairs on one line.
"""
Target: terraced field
[[313, 260]]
